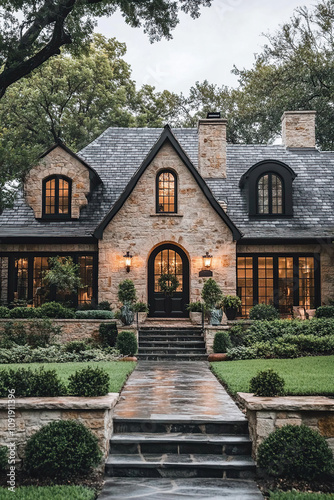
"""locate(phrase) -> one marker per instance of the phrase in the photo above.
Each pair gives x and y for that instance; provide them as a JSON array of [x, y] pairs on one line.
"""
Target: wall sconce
[[207, 260], [128, 260]]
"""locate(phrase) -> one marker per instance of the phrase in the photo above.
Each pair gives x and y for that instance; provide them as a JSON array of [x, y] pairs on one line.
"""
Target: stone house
[[137, 203]]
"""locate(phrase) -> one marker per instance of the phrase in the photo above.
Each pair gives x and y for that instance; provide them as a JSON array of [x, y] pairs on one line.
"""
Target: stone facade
[[298, 129], [325, 250], [33, 413], [212, 148], [136, 228], [58, 162], [265, 415]]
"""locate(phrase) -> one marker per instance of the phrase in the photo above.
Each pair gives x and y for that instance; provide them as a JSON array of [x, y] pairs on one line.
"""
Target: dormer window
[[270, 194], [57, 197], [268, 186], [166, 200]]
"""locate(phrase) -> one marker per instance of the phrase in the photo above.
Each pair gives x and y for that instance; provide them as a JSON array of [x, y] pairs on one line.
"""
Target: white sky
[[227, 33]]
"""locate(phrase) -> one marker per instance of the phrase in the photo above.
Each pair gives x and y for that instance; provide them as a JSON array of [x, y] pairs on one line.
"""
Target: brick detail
[[58, 162], [298, 129], [212, 148]]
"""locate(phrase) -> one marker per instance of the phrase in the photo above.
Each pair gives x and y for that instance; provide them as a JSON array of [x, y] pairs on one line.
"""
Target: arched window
[[268, 188], [57, 197], [166, 199], [270, 193]]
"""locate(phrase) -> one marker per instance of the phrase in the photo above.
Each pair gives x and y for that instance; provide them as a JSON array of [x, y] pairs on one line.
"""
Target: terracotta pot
[[129, 358], [220, 356]]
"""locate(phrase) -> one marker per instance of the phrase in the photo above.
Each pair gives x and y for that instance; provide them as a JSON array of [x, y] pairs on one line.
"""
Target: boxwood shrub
[[55, 310], [89, 382], [221, 342], [127, 343], [264, 311], [325, 312], [29, 383], [267, 383], [94, 314], [61, 450], [108, 334], [24, 312], [295, 452], [4, 312]]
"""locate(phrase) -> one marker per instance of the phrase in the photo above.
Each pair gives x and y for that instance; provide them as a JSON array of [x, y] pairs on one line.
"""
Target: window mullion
[[270, 193]]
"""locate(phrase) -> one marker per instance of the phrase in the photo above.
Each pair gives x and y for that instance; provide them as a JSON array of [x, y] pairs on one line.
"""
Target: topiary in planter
[[295, 452], [267, 383], [127, 343], [221, 342], [264, 311], [108, 334], [89, 382], [62, 449]]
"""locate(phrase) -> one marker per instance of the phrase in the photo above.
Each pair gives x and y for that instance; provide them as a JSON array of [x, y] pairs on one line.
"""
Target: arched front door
[[168, 259]]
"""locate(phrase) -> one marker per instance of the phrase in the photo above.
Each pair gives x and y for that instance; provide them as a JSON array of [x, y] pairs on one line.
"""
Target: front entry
[[168, 259]]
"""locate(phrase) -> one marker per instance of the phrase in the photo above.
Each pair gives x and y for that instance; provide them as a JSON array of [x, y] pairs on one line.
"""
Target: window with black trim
[[270, 194], [57, 197], [269, 189], [166, 189]]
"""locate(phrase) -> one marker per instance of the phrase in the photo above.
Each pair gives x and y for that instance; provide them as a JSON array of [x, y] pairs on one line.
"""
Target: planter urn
[[195, 318], [231, 313], [216, 316], [141, 317]]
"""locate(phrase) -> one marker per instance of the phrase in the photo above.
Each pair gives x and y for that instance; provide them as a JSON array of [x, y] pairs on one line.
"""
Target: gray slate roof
[[119, 152]]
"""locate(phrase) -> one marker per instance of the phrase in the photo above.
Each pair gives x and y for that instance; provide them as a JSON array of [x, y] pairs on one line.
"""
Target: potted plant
[[141, 308], [212, 296], [231, 304], [195, 312], [127, 296]]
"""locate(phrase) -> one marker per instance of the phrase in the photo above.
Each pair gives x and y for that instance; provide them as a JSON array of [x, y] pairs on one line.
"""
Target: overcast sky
[[227, 33]]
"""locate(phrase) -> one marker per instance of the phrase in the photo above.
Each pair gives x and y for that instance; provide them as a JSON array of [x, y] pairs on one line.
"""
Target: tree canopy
[[33, 31]]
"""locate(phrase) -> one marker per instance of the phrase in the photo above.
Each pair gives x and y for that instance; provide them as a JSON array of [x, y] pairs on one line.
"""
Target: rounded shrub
[[127, 343], [264, 311], [267, 383], [55, 310], [89, 382], [325, 312], [295, 452], [75, 346], [221, 342], [3, 458], [24, 312], [30, 383], [62, 449], [4, 312], [94, 314], [108, 334], [104, 305], [46, 383]]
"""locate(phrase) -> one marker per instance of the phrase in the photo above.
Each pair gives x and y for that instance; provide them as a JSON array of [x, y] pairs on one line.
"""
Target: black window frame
[[12, 256], [250, 181], [164, 171], [275, 256], [270, 194], [57, 215]]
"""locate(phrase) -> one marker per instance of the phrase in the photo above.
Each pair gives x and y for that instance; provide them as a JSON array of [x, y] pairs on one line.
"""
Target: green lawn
[[118, 370], [292, 495], [303, 376], [48, 492]]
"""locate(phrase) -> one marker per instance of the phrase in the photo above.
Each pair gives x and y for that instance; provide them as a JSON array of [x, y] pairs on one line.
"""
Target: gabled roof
[[167, 137], [93, 175]]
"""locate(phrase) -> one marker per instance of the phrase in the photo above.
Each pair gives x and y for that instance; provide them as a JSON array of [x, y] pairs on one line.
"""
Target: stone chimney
[[298, 129], [212, 146]]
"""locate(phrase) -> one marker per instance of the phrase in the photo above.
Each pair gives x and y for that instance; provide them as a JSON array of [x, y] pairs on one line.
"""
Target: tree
[[294, 71], [48, 25]]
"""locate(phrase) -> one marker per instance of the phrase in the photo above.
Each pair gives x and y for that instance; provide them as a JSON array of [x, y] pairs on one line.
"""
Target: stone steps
[[170, 343]]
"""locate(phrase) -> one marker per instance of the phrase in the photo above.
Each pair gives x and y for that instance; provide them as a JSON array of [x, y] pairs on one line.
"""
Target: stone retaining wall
[[265, 415], [210, 331], [33, 413], [75, 329]]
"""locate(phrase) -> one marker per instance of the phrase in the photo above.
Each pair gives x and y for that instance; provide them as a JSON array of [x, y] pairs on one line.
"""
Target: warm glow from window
[[166, 202]]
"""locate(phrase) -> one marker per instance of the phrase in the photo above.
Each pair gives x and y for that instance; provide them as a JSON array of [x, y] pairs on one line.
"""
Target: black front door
[[168, 259]]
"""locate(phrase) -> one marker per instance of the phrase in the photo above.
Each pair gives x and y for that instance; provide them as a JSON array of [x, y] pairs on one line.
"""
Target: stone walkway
[[208, 452]]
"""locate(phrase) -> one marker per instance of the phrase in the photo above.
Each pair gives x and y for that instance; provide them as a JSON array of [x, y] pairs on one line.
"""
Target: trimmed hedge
[[55, 310], [295, 452], [29, 383], [267, 383], [54, 354], [325, 312], [127, 343], [108, 334], [62, 449], [221, 342], [264, 312], [94, 314]]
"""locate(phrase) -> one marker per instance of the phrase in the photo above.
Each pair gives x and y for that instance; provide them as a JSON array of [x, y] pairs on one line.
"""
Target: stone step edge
[[171, 420], [238, 464], [216, 439]]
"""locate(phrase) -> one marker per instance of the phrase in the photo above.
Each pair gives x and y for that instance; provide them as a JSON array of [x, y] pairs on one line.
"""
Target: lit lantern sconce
[[207, 261], [128, 260]]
